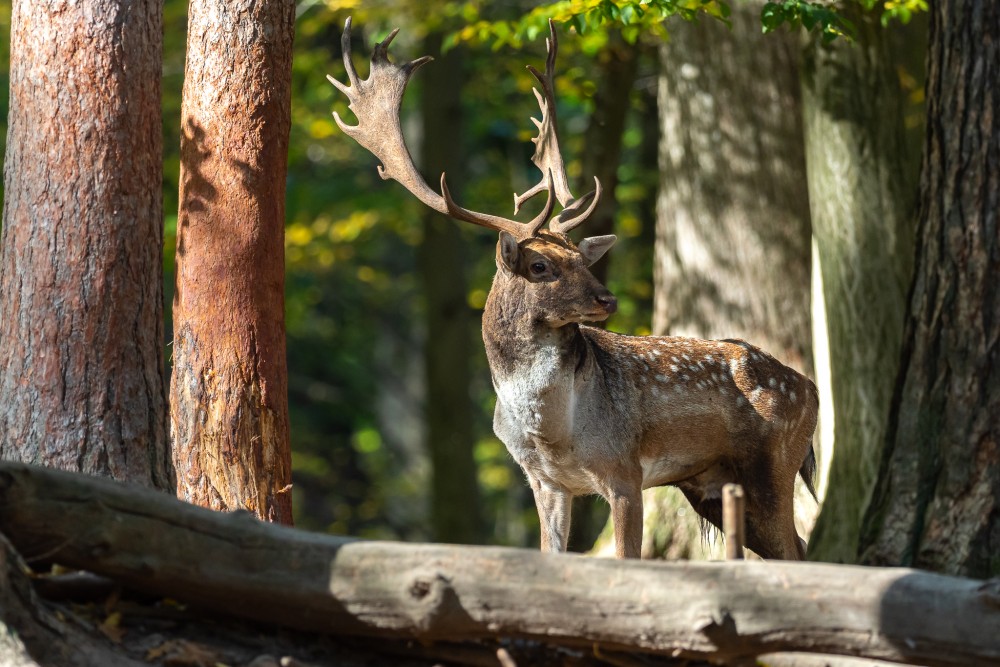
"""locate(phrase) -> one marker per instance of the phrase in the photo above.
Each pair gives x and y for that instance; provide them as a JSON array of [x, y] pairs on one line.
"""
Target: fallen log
[[725, 612]]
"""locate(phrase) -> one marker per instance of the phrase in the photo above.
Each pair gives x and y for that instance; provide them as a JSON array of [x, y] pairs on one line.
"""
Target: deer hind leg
[[771, 534], [770, 517]]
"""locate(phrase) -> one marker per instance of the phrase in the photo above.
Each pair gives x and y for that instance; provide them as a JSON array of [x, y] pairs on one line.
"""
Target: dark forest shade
[[229, 404], [454, 497], [936, 504], [82, 382]]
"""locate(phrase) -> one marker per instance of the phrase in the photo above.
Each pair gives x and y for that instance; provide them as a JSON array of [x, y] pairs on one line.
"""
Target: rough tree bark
[[862, 193], [936, 503], [81, 295], [455, 508], [229, 405], [725, 612], [733, 237]]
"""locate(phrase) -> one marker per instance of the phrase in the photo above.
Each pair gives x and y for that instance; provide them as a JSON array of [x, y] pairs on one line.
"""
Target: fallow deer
[[586, 411]]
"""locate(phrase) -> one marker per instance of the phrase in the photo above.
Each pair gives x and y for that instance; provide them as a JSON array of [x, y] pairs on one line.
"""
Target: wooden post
[[732, 520]]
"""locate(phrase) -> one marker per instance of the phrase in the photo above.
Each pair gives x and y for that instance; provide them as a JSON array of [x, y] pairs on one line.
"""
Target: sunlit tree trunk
[[455, 505], [82, 382], [733, 237], [936, 503], [862, 191], [229, 406]]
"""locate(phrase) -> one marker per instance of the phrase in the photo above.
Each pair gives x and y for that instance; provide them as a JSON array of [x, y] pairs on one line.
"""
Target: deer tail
[[808, 471]]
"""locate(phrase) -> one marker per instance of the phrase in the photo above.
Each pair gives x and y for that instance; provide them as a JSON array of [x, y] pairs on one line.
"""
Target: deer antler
[[376, 102], [547, 156]]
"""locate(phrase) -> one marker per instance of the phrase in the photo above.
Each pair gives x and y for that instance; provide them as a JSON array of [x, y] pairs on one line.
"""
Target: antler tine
[[548, 157], [518, 230], [571, 216], [376, 103]]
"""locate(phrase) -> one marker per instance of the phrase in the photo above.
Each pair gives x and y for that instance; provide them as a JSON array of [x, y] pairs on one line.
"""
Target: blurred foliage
[[826, 18]]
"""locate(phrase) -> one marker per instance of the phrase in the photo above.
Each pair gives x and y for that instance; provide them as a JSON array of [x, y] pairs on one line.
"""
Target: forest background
[[703, 140]]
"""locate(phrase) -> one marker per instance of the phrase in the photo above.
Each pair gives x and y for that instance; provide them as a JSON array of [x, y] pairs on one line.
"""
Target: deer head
[[549, 266], [548, 274]]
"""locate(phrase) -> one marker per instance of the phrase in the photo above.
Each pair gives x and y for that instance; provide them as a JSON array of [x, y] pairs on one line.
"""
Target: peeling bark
[[81, 295], [936, 504], [229, 404]]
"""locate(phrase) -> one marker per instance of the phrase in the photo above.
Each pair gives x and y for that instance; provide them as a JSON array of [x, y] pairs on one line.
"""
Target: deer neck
[[518, 344]]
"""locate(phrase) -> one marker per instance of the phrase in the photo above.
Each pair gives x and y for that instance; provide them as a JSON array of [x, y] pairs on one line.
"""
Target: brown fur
[[584, 410]]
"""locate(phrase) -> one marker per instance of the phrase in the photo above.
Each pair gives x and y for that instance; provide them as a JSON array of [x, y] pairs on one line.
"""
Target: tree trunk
[[455, 507], [733, 204], [81, 294], [229, 405], [725, 612], [617, 65], [936, 503], [862, 193], [733, 239]]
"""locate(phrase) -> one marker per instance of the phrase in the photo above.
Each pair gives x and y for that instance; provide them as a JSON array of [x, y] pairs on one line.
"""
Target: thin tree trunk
[[82, 382], [733, 238], [455, 506], [617, 65], [229, 405], [936, 503]]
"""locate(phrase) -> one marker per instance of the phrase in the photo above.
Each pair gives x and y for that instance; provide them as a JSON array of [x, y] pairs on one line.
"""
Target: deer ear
[[594, 247], [508, 251]]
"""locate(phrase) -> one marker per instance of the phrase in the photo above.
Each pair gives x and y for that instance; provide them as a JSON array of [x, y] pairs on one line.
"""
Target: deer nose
[[608, 301]]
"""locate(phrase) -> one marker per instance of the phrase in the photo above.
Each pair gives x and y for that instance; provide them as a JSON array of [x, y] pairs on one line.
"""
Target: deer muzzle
[[608, 302]]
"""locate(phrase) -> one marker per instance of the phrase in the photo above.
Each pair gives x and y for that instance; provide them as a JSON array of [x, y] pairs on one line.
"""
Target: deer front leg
[[554, 507], [626, 514]]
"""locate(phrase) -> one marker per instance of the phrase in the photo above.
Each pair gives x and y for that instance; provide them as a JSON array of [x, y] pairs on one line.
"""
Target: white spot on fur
[[782, 387], [661, 378], [791, 397], [772, 382], [674, 367], [685, 377], [740, 400]]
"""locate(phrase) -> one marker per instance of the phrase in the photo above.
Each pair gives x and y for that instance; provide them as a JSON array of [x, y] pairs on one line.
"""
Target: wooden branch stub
[[733, 524], [724, 612]]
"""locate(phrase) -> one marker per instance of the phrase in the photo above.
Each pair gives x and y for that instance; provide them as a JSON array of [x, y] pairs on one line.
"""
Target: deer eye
[[537, 268]]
